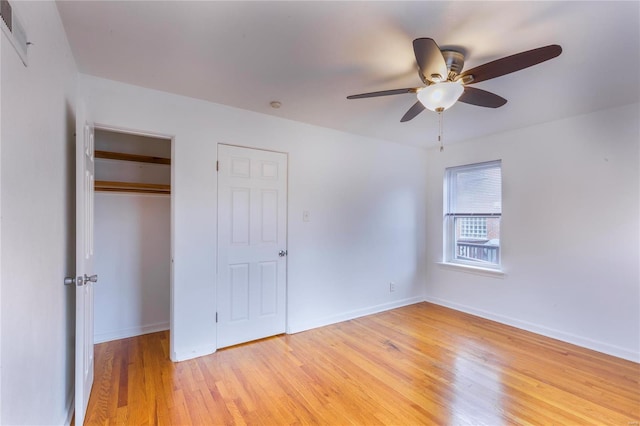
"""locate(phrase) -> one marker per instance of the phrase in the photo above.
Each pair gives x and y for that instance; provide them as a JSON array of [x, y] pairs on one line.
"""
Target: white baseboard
[[584, 342], [194, 352], [297, 328], [130, 332]]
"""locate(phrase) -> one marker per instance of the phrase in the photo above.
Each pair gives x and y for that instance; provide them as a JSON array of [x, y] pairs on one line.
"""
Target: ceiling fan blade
[[416, 109], [512, 63], [383, 93], [430, 59], [482, 98]]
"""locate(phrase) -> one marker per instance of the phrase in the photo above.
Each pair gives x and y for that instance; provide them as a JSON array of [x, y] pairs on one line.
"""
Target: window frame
[[449, 219]]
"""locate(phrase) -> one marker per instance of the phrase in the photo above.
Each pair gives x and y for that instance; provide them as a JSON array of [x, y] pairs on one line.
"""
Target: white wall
[[366, 199], [114, 141], [570, 231], [132, 246], [38, 241]]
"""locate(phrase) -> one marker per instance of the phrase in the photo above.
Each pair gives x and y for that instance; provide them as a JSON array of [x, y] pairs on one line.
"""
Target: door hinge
[[217, 166], [216, 317]]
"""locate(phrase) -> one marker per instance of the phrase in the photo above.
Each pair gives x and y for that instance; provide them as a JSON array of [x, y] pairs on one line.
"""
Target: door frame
[[286, 287], [171, 138]]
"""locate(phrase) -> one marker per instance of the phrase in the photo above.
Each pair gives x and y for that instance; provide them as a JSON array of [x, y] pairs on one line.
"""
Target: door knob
[[72, 280], [282, 253], [80, 280]]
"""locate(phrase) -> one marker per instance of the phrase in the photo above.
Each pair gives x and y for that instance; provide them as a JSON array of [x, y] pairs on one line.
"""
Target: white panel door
[[252, 237], [85, 277]]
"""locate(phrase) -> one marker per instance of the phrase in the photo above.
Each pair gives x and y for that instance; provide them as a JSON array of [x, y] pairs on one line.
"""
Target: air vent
[[13, 29], [5, 11]]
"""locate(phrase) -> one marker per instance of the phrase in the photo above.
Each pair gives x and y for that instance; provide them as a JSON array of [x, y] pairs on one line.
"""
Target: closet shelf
[[148, 188], [131, 157]]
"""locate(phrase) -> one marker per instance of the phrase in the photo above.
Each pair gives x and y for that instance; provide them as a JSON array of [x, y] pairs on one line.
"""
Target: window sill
[[496, 273]]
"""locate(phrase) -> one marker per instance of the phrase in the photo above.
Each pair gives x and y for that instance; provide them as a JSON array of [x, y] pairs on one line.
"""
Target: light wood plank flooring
[[421, 364]]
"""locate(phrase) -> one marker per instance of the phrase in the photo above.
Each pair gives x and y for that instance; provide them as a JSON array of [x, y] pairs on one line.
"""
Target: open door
[[85, 277]]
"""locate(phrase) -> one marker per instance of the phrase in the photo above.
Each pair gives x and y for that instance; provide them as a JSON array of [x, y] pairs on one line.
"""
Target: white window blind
[[475, 189]]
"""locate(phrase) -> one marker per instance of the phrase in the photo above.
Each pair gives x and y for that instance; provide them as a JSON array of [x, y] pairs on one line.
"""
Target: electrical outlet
[[392, 287], [306, 216]]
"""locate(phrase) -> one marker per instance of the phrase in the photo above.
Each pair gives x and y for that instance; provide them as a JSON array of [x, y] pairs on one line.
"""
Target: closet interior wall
[[132, 235]]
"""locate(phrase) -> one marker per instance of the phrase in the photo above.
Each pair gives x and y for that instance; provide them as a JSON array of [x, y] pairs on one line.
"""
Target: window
[[473, 208]]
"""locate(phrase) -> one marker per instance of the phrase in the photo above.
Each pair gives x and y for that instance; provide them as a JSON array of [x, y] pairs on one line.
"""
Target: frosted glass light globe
[[440, 96]]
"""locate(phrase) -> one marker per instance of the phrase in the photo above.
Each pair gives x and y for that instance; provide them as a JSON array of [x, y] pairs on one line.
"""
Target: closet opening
[[132, 234]]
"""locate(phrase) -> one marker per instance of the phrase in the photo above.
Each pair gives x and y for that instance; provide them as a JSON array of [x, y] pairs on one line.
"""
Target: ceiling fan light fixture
[[440, 96]]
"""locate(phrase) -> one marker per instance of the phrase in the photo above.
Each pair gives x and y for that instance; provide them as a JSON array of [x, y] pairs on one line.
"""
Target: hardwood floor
[[421, 364]]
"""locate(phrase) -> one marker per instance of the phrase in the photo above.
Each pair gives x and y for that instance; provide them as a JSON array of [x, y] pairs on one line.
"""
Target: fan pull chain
[[440, 127]]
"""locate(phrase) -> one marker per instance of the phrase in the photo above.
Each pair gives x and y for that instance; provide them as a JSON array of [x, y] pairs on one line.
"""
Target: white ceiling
[[311, 55]]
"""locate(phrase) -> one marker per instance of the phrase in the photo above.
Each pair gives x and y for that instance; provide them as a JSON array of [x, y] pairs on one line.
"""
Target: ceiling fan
[[446, 83]]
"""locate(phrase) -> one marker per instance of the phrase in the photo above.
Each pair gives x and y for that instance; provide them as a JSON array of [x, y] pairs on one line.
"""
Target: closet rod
[[149, 188]]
